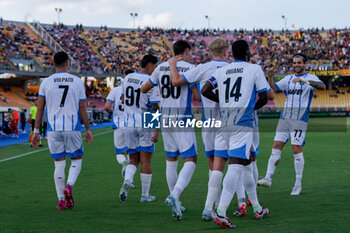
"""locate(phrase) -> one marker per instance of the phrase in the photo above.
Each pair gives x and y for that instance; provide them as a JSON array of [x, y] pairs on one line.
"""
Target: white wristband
[[36, 130]]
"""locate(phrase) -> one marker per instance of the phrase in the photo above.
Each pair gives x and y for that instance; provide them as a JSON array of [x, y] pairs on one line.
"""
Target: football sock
[[275, 156], [217, 200], [130, 172], [210, 171], [250, 187], [255, 172], [74, 171], [128, 157], [146, 184], [299, 167], [120, 158], [60, 178], [231, 180], [214, 186], [171, 174], [240, 193], [184, 179]]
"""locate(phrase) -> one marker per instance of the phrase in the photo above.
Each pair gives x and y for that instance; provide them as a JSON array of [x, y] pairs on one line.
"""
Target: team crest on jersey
[[151, 120]]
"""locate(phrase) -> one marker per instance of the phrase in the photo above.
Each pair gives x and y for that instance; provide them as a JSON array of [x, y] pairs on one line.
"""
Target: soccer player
[[238, 86], [294, 118], [64, 97], [140, 142], [176, 104], [200, 75], [114, 104], [254, 151], [14, 122]]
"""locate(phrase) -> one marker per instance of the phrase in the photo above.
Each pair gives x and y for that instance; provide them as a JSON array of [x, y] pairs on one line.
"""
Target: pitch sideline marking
[[36, 151]]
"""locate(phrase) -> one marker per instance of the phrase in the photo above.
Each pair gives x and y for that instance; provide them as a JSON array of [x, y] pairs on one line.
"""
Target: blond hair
[[218, 46]]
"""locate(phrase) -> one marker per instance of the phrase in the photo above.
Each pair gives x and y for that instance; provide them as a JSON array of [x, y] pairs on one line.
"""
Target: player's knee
[[192, 159], [278, 145], [297, 149]]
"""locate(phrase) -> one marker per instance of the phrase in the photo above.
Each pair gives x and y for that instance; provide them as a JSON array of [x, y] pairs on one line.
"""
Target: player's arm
[[208, 90], [261, 101], [155, 137], [196, 94], [39, 116], [270, 94], [176, 77], [271, 80], [314, 84], [148, 86], [85, 119], [108, 107]]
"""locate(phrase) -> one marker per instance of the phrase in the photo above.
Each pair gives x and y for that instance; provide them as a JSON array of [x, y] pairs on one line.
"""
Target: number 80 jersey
[[62, 93], [238, 85], [175, 101]]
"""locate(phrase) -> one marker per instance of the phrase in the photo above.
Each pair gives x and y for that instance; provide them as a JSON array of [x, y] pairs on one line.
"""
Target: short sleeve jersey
[[135, 102], [238, 85], [174, 101], [299, 96], [63, 92], [200, 75], [115, 97]]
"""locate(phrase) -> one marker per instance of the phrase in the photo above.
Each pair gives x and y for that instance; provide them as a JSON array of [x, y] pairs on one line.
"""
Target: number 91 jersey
[[135, 102], [62, 93], [238, 85], [174, 100]]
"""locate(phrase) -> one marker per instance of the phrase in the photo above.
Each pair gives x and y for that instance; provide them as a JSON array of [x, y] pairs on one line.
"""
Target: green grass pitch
[[28, 197]]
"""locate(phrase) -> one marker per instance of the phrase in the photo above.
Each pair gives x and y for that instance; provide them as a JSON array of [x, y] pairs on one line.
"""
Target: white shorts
[[208, 137], [254, 148], [237, 140], [139, 139], [293, 129], [119, 141], [221, 147], [180, 141], [65, 143]]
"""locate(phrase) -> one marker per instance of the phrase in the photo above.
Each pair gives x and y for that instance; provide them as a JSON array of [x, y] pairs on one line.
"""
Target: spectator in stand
[[14, 122], [23, 119]]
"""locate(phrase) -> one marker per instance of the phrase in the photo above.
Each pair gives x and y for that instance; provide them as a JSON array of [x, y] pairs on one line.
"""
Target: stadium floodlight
[[59, 11], [208, 18], [133, 15], [285, 21]]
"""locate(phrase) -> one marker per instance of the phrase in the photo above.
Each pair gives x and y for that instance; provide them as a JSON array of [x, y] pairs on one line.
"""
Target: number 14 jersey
[[238, 85], [63, 92]]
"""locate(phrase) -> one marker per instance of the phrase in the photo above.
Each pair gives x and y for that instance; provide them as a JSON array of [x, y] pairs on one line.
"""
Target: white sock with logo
[[184, 179], [250, 187], [255, 172], [299, 167], [230, 183], [146, 183], [171, 174], [275, 156], [240, 193], [130, 172], [74, 171], [214, 185], [60, 178]]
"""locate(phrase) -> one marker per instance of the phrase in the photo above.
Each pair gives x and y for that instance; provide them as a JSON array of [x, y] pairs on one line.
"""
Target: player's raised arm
[[39, 116], [208, 88], [176, 78], [271, 80], [84, 117]]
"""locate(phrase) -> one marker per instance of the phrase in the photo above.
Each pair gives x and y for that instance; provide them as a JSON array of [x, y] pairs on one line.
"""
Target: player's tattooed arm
[[261, 101], [271, 80], [176, 78], [208, 91]]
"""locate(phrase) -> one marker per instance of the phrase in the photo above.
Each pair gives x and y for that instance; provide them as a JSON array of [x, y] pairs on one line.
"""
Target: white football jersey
[[62, 92], [118, 107], [135, 102], [174, 101], [238, 84], [201, 74], [299, 96]]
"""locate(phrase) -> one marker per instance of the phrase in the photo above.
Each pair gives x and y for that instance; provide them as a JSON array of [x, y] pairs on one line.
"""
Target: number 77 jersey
[[238, 85], [62, 93]]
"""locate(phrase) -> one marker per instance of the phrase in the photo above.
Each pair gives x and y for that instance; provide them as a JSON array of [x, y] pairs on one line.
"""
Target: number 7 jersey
[[63, 92], [238, 85]]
